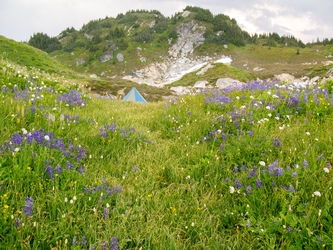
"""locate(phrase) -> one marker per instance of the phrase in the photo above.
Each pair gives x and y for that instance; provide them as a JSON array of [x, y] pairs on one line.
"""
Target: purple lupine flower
[[291, 188], [319, 239], [114, 243], [236, 169], [288, 168], [33, 109], [289, 229], [28, 206], [104, 246], [248, 189], [305, 164], [263, 170], [58, 169], [294, 175], [237, 183], [278, 172], [320, 157], [189, 113], [81, 170], [222, 147], [135, 168], [258, 183], [277, 142], [227, 179], [83, 240], [18, 222], [243, 168], [75, 242], [248, 224], [49, 169], [106, 212], [274, 221]]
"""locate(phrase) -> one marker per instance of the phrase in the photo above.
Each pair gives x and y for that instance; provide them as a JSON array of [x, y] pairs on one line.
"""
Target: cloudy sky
[[305, 19]]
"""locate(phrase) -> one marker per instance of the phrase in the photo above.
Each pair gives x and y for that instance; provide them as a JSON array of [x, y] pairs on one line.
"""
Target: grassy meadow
[[247, 168]]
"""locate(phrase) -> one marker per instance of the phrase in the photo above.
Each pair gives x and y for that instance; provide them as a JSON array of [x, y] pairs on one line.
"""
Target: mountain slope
[[29, 56]]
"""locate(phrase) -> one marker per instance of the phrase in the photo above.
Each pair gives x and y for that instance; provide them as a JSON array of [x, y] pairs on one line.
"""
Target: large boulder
[[79, 62], [120, 57], [224, 83], [200, 84], [106, 56]]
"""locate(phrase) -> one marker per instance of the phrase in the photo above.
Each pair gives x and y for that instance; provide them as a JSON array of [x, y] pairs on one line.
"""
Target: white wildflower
[[269, 115], [232, 189], [66, 199], [262, 163], [317, 193], [46, 137], [74, 198], [326, 170], [308, 133], [71, 201]]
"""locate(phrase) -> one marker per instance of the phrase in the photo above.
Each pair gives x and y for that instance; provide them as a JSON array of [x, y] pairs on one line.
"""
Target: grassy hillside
[[242, 169], [28, 56]]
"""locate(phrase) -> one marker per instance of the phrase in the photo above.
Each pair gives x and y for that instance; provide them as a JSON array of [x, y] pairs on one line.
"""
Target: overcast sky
[[305, 19]]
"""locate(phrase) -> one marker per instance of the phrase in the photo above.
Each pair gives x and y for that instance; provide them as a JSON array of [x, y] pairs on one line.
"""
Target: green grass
[[175, 193], [28, 56]]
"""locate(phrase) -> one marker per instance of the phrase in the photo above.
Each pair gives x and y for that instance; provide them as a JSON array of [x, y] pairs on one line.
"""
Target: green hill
[[29, 56]]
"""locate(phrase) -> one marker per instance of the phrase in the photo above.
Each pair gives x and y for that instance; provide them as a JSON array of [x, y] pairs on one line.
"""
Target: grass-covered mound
[[243, 168]]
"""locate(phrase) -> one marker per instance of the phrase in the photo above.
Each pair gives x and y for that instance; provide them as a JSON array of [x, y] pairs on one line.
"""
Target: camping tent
[[134, 96]]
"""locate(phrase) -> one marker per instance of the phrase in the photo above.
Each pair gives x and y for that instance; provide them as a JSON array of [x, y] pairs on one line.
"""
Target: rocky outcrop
[[224, 83], [88, 36], [190, 36], [142, 59], [200, 84], [79, 62], [120, 57], [106, 56], [204, 69]]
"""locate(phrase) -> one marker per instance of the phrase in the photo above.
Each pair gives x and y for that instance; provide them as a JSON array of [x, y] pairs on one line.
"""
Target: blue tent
[[134, 96]]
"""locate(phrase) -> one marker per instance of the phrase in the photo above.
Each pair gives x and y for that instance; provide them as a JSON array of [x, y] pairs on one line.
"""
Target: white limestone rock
[[120, 57], [200, 84], [224, 83]]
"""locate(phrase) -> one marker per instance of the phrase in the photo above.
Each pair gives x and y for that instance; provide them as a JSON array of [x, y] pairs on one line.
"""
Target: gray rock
[[88, 36], [315, 79], [79, 62], [120, 57], [204, 69], [186, 13], [106, 56], [152, 24], [72, 53], [224, 83], [143, 59], [103, 73], [190, 36], [93, 76], [180, 90], [200, 84]]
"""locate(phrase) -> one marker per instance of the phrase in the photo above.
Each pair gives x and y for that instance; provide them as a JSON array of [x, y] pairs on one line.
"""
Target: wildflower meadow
[[240, 168]]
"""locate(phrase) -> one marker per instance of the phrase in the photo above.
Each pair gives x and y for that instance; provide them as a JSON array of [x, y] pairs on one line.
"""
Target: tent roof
[[134, 96]]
